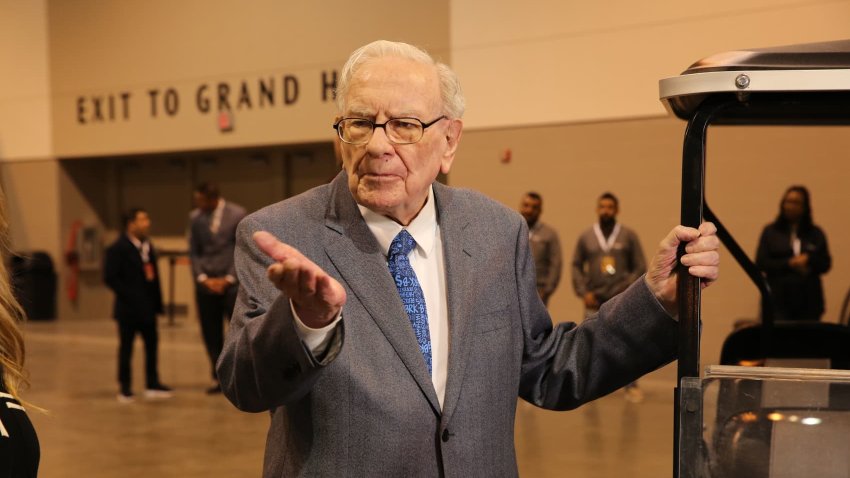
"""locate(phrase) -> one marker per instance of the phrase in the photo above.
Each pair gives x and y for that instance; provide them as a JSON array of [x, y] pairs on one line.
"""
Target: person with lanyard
[[607, 259], [130, 270], [793, 254]]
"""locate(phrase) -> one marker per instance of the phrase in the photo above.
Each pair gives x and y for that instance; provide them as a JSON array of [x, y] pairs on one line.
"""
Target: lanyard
[[796, 244], [606, 244]]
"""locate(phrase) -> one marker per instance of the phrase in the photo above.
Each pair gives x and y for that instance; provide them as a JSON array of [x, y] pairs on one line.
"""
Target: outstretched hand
[[702, 258], [316, 296]]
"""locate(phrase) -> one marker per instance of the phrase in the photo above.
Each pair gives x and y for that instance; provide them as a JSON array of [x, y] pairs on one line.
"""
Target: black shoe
[[214, 389], [158, 391]]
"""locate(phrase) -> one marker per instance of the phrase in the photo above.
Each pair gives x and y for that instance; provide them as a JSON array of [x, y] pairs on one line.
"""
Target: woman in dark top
[[19, 451], [793, 254]]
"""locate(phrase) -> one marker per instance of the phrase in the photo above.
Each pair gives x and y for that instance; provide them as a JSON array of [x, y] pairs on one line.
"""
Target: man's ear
[[453, 134]]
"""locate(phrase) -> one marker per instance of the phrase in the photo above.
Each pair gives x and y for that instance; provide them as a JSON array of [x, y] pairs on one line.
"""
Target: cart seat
[[789, 340]]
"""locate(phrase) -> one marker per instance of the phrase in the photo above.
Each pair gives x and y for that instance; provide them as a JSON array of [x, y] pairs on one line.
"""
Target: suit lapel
[[202, 227], [152, 258], [357, 256], [458, 257], [226, 219], [134, 253]]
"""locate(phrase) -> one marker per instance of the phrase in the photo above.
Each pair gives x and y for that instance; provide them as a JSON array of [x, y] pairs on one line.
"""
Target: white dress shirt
[[215, 220], [215, 225], [426, 259], [143, 247]]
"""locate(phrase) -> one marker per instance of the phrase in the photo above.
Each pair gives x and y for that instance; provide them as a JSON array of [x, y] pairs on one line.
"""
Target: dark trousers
[[213, 310], [127, 331]]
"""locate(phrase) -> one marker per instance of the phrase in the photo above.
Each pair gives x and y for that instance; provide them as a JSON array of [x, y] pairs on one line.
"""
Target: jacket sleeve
[[238, 215], [264, 363], [766, 261], [159, 306], [568, 365], [579, 276], [637, 263], [114, 275], [195, 248], [111, 269], [556, 264], [820, 261]]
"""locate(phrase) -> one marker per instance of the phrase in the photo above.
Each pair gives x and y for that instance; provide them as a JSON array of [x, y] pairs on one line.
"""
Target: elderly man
[[389, 322]]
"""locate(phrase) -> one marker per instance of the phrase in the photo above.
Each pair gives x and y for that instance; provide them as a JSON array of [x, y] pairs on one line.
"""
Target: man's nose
[[379, 143]]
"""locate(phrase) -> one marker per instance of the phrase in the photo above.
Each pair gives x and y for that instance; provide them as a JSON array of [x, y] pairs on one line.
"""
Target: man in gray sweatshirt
[[607, 258], [545, 246]]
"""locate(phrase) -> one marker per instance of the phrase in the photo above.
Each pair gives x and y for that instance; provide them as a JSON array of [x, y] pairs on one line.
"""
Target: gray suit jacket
[[368, 407], [212, 254]]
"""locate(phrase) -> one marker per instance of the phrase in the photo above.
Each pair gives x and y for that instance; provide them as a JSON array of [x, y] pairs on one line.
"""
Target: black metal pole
[[764, 108], [688, 287], [755, 275]]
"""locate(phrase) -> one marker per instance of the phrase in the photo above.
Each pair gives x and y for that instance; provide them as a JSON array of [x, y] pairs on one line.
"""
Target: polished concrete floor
[[87, 433]]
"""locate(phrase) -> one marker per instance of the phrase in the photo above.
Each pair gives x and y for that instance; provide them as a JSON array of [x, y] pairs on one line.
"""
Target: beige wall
[[553, 82], [748, 169], [32, 197], [24, 85], [551, 61], [29, 176], [86, 196], [101, 50], [76, 56], [570, 88]]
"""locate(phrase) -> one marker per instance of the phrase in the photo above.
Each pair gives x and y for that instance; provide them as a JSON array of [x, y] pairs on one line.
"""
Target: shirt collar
[[135, 241], [219, 207], [423, 228]]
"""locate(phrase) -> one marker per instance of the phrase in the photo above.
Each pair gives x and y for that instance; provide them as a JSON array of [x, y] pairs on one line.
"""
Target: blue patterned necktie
[[410, 291]]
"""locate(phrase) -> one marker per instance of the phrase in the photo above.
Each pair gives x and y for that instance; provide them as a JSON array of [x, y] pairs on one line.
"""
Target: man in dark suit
[[389, 322], [212, 238], [131, 272]]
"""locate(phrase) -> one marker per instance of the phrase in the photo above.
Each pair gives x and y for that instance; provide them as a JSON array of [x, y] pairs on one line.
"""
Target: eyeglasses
[[398, 130]]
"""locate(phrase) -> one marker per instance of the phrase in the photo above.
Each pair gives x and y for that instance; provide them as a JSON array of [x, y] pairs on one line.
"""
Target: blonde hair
[[450, 91], [11, 314]]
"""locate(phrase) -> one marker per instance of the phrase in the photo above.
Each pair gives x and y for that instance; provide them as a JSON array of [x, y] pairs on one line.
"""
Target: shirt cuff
[[316, 340]]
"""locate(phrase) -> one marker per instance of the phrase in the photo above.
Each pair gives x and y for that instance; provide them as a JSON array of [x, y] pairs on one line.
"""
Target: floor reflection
[[610, 437], [87, 433]]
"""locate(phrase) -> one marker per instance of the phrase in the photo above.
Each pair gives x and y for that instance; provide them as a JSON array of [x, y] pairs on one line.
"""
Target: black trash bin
[[34, 283]]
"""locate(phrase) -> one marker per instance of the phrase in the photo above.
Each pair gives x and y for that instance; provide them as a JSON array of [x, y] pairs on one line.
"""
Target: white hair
[[450, 91]]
